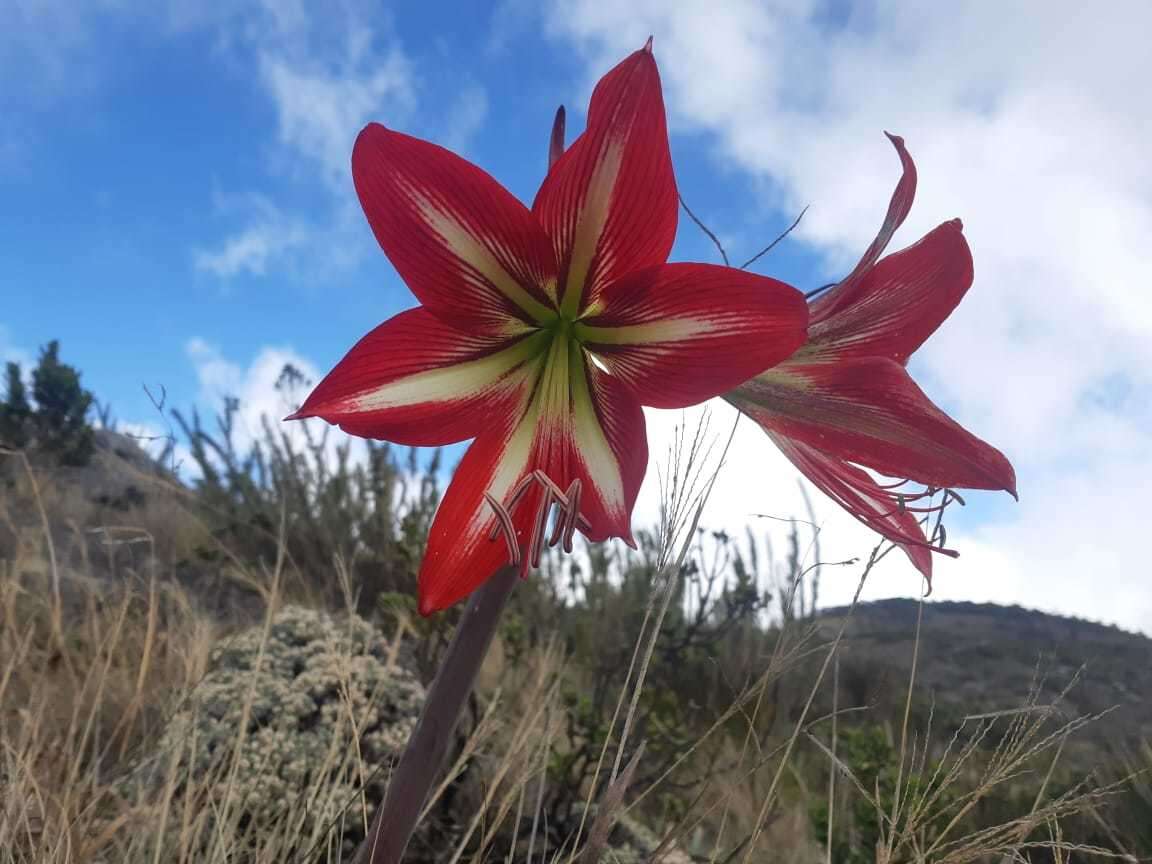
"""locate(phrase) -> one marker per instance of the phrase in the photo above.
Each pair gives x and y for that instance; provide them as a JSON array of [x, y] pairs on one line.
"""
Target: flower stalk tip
[[556, 143]]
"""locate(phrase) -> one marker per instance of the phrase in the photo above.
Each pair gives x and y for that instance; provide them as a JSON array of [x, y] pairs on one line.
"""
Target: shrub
[[285, 730], [15, 412], [313, 503], [58, 426], [598, 605]]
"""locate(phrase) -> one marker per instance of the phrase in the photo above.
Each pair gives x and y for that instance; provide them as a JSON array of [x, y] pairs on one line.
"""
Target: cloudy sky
[[177, 209]]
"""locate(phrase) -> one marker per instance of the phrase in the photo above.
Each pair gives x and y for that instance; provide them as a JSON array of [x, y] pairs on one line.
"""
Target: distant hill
[[977, 658]]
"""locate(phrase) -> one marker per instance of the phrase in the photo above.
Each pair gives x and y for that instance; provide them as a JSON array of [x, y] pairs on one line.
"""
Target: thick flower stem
[[423, 758]]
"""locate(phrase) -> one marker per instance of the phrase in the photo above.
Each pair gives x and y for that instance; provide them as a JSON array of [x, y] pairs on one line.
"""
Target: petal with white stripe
[[609, 201], [679, 334], [471, 253], [899, 302], [610, 444], [416, 380], [871, 412], [461, 555], [578, 423]]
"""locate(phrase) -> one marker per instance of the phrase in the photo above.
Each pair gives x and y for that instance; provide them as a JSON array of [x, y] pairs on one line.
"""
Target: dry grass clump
[[960, 800], [84, 689], [139, 731]]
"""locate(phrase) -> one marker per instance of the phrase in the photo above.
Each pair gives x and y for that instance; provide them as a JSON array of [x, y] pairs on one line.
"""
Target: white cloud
[[326, 74], [269, 235], [261, 396], [322, 105], [326, 70], [255, 386], [247, 251], [1030, 128]]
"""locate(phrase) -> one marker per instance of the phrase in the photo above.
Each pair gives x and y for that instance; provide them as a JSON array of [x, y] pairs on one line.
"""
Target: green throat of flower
[[562, 376]]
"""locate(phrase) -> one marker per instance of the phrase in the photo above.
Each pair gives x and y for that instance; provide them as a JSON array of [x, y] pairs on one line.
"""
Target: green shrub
[[15, 412], [314, 504], [58, 426]]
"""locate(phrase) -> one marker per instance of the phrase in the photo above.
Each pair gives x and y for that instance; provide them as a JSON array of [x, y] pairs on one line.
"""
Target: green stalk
[[424, 756]]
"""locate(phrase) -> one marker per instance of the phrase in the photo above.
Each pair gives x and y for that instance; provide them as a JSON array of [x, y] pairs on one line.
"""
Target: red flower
[[542, 332], [845, 398]]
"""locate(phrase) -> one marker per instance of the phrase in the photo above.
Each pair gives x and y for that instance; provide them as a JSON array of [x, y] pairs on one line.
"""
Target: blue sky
[[174, 197], [178, 211]]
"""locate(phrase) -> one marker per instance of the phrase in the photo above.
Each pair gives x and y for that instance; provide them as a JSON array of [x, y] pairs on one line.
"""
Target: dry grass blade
[[682, 511], [608, 810], [770, 797]]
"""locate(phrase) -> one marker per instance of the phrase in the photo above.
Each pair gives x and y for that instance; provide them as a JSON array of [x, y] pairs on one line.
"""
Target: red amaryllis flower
[[542, 332], [846, 400]]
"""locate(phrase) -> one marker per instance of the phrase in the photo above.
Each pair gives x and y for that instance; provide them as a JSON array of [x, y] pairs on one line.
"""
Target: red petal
[[415, 380], [613, 412], [900, 302], [871, 412], [460, 556], [470, 252], [844, 293], [609, 203], [855, 491], [682, 333], [592, 430]]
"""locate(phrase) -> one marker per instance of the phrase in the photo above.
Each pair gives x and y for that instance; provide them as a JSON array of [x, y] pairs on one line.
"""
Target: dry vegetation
[[222, 673]]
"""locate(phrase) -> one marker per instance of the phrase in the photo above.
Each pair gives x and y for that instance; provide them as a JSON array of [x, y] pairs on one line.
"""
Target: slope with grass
[[119, 585], [979, 658]]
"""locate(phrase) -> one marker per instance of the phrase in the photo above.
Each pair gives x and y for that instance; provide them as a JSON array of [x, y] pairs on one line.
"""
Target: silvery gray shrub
[[283, 732]]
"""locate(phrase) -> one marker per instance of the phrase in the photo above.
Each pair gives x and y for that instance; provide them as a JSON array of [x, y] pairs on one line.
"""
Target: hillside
[[977, 658], [157, 579]]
